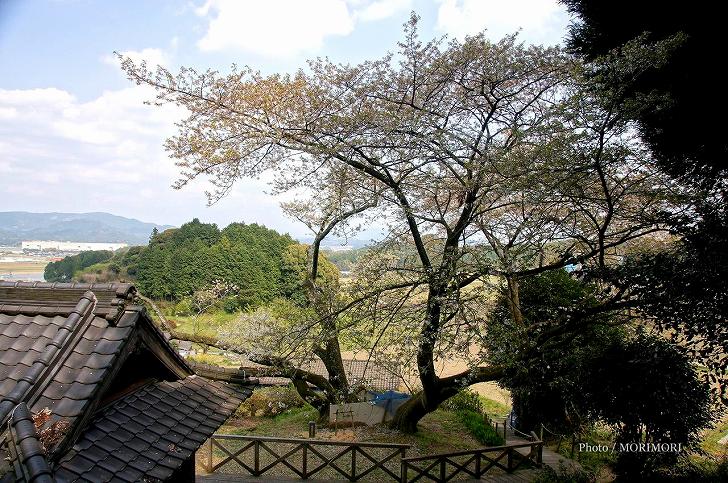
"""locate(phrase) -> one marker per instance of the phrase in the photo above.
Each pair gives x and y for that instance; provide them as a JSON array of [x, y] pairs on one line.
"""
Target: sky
[[76, 136]]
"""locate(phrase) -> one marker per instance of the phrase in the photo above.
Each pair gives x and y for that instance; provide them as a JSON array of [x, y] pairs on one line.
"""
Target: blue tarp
[[390, 400]]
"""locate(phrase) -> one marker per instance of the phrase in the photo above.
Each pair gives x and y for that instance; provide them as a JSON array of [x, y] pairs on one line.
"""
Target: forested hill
[[16, 226], [261, 263], [178, 262]]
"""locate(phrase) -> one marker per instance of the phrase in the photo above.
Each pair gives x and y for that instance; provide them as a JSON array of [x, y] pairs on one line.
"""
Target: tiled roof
[[51, 299], [64, 346], [30, 463], [150, 432], [58, 362], [30, 349], [370, 374]]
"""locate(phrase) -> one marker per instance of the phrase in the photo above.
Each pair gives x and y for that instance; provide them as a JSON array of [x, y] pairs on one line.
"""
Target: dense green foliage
[[63, 270], [122, 267], [465, 400], [178, 262], [684, 288], [642, 385], [663, 97], [649, 390], [548, 388], [257, 264], [480, 427], [294, 274]]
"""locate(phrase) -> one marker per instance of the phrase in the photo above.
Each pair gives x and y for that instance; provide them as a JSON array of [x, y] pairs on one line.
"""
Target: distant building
[[51, 245]]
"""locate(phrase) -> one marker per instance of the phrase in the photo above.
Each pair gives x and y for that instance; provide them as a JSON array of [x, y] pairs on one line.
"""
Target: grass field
[[205, 324], [439, 431], [22, 267], [710, 439]]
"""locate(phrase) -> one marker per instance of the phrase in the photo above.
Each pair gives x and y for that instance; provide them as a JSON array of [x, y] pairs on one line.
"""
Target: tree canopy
[[180, 261], [63, 270], [484, 162], [653, 62], [672, 92]]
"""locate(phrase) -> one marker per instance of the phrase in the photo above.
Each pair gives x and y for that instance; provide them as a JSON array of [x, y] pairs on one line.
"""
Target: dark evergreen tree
[[678, 103], [180, 261], [63, 270]]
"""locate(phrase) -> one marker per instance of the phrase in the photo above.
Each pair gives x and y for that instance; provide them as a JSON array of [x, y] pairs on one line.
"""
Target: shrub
[[465, 400], [563, 475], [479, 426], [270, 401], [707, 470], [231, 304], [183, 307]]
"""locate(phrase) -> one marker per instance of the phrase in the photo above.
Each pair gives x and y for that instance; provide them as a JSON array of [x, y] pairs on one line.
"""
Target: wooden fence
[[258, 455], [474, 463]]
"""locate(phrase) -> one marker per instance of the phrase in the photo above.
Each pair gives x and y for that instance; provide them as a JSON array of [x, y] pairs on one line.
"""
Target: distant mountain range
[[16, 226]]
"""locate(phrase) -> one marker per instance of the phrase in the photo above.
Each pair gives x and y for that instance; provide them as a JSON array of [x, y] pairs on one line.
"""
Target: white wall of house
[[47, 245]]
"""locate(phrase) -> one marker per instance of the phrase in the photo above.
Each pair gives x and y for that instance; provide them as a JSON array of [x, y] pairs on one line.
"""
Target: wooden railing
[[473, 463], [258, 455]]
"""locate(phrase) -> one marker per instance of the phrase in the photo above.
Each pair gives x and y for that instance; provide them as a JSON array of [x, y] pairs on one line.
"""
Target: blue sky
[[76, 136]]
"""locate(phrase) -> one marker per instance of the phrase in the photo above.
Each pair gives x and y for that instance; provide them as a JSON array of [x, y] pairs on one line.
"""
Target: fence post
[[403, 471], [505, 429], [256, 457], [573, 445], [443, 470], [353, 463], [477, 465], [209, 456], [311, 429], [539, 458], [304, 461], [510, 460]]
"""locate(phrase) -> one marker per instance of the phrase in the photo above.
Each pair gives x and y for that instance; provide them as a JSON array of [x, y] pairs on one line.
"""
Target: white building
[[46, 245]]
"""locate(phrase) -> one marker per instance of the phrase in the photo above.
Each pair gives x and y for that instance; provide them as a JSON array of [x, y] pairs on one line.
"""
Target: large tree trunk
[[330, 355], [329, 351], [410, 413], [514, 300], [423, 403], [320, 403]]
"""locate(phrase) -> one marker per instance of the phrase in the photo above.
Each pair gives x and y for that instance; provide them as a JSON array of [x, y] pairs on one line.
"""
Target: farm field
[[22, 267], [25, 270]]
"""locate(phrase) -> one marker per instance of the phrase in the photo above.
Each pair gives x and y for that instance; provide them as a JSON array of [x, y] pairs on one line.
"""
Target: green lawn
[[440, 431], [494, 408], [711, 437], [205, 324]]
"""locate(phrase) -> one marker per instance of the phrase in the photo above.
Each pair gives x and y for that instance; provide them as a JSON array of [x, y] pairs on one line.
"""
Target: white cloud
[[280, 28], [381, 9], [151, 56], [8, 113], [273, 27], [540, 21], [60, 154], [32, 98]]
